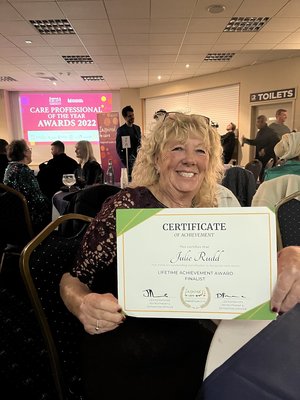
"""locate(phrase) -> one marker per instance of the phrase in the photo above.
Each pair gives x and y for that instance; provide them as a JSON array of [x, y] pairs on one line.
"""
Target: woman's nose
[[189, 156]]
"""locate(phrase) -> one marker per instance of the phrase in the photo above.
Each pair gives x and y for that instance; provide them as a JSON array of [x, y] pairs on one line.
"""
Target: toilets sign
[[274, 95]]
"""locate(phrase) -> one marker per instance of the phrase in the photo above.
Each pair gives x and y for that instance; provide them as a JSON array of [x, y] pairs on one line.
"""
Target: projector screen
[[68, 117]]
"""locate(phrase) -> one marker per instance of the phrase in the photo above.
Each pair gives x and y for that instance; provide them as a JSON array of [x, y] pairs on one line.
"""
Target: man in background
[[51, 172], [132, 131], [279, 127], [265, 141], [228, 142], [3, 158]]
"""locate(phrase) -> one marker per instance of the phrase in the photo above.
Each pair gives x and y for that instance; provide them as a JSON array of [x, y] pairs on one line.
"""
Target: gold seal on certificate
[[218, 263]]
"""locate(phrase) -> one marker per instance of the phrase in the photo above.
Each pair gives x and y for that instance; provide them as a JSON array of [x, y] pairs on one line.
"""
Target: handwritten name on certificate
[[216, 263]]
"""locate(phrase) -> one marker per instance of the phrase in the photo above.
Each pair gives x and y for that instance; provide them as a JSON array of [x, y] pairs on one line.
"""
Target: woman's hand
[[287, 290], [100, 313]]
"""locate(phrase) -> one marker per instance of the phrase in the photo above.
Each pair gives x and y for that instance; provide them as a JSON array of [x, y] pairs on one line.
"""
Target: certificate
[[217, 263]]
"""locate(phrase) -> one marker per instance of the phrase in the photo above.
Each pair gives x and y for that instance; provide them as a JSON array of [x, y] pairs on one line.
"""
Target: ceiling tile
[[235, 37], [8, 12], [98, 40], [165, 25], [129, 9], [282, 25], [17, 28], [207, 25], [39, 10], [269, 37], [265, 8], [88, 26], [130, 25], [102, 50], [132, 39], [83, 9], [201, 38], [171, 9]]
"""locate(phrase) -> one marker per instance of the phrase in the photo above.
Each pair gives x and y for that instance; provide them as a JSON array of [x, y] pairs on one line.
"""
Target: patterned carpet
[[24, 366]]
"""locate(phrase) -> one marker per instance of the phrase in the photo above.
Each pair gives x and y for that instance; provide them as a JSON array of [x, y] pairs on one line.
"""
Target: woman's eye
[[177, 148], [201, 151]]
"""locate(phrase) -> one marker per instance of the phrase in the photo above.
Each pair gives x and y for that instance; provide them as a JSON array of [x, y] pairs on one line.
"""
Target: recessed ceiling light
[[159, 77], [246, 24], [219, 56], [92, 77], [187, 65], [53, 27], [28, 41], [78, 59], [216, 8], [7, 79]]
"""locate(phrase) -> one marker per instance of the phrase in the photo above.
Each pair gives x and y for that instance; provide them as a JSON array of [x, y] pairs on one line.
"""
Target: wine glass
[[69, 180]]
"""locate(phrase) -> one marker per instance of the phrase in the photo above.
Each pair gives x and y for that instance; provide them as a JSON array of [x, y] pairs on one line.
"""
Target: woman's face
[[78, 151], [28, 155], [182, 166]]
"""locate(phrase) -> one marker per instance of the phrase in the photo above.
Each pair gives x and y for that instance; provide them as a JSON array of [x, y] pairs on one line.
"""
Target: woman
[[178, 165], [89, 170], [20, 177], [288, 153]]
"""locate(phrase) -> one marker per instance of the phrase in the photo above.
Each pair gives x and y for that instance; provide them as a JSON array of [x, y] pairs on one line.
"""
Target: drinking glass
[[69, 180]]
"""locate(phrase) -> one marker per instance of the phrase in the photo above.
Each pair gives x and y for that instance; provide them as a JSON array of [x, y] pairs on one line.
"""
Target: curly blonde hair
[[181, 126]]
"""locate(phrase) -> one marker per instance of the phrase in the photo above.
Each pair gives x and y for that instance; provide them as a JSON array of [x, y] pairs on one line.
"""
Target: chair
[[15, 221], [287, 213], [87, 202], [255, 166], [42, 263], [242, 184]]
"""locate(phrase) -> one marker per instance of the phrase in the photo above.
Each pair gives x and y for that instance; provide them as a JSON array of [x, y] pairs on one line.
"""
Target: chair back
[[87, 202], [288, 220], [242, 184], [42, 263], [15, 221], [255, 166]]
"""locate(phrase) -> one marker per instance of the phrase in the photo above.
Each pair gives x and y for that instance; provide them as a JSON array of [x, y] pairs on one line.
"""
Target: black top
[[134, 133], [228, 143], [3, 165], [91, 173], [50, 173]]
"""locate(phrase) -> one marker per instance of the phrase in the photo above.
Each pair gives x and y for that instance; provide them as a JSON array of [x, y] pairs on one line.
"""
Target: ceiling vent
[[53, 26], [78, 59], [246, 24], [93, 78], [219, 56], [7, 79]]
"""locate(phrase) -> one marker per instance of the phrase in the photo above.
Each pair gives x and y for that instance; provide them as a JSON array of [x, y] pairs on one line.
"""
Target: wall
[[273, 75]]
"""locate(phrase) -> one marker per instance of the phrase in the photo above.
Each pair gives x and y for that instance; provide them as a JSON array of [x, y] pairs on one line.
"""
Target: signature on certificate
[[150, 293], [223, 295]]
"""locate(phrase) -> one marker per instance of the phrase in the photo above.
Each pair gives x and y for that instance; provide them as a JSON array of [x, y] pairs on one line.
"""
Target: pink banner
[[69, 117], [108, 124]]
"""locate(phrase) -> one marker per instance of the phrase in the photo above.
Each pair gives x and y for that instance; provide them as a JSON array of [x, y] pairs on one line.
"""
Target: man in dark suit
[[51, 172], [228, 142], [265, 141], [132, 131]]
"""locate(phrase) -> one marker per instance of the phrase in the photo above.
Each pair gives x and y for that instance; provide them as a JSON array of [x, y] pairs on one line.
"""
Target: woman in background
[[21, 178], [89, 170]]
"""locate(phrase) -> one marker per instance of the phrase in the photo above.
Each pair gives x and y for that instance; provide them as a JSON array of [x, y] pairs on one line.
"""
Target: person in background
[[21, 178], [51, 172], [288, 153], [279, 127], [3, 158], [265, 141], [134, 133], [228, 142], [89, 171]]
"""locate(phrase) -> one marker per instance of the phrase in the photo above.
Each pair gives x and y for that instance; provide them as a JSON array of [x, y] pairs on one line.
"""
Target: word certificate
[[216, 263]]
